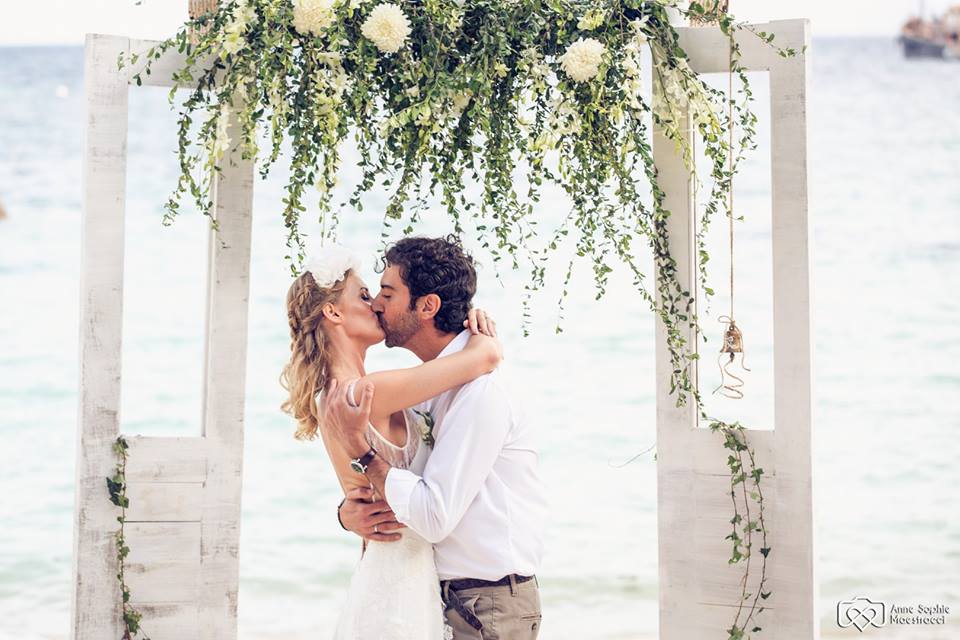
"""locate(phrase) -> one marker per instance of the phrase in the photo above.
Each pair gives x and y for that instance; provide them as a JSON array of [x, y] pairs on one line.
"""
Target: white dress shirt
[[480, 499]]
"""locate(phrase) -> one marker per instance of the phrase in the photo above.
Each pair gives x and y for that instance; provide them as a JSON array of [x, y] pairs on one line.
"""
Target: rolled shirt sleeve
[[468, 442]]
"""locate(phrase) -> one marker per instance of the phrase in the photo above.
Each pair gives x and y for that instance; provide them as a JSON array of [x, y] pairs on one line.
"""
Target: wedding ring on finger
[[351, 397], [375, 530]]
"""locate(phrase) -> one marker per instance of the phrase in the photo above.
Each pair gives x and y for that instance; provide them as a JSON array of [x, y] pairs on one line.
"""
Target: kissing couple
[[437, 462]]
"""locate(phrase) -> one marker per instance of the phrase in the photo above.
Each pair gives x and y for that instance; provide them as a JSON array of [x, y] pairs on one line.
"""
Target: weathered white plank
[[709, 456], [676, 510], [165, 501], [675, 426], [170, 621], [166, 459], [711, 617], [708, 47], [228, 291], [719, 580], [794, 575], [162, 68], [164, 561], [696, 583], [95, 590]]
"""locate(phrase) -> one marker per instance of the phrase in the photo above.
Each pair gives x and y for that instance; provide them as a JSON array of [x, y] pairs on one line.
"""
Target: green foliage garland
[[437, 94], [117, 488]]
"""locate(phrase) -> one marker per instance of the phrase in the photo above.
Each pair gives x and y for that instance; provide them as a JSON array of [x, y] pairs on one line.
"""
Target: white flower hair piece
[[331, 264]]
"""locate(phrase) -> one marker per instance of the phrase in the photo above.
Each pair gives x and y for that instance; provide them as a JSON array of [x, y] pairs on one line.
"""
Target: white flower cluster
[[387, 27], [278, 106], [592, 19], [673, 90], [532, 63], [331, 265], [221, 141], [313, 16], [233, 40], [581, 61], [564, 120], [632, 52], [331, 78]]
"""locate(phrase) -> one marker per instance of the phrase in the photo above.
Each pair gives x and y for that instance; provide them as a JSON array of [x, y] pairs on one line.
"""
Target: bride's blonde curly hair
[[308, 370]]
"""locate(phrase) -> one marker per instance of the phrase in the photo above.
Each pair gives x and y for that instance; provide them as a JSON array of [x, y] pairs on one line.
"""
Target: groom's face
[[392, 306]]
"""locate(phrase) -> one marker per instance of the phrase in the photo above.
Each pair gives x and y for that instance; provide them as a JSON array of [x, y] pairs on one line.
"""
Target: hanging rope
[[732, 337], [195, 9]]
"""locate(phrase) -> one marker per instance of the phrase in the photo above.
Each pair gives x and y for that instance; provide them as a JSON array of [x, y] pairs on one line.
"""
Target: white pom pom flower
[[312, 16], [387, 27], [331, 264], [581, 61]]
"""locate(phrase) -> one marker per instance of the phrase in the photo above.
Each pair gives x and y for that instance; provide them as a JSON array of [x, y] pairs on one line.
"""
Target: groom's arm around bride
[[479, 499]]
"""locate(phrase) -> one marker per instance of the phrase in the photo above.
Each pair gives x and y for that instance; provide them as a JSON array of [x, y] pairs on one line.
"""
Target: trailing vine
[[742, 464], [439, 94], [117, 487]]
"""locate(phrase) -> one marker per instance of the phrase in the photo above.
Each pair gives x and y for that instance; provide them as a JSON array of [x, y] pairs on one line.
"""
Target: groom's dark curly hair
[[440, 266]]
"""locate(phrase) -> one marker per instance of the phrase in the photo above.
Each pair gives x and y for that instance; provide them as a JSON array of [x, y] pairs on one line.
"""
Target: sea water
[[884, 144]]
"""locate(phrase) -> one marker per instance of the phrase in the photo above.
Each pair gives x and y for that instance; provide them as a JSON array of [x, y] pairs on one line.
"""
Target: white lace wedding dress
[[395, 592]]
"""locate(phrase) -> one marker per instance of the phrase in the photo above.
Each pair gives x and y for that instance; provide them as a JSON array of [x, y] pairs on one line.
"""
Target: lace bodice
[[395, 591], [398, 457]]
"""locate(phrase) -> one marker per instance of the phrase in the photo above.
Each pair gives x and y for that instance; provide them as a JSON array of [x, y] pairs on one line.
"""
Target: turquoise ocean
[[884, 141]]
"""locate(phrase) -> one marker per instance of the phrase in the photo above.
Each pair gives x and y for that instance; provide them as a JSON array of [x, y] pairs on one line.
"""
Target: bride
[[394, 592]]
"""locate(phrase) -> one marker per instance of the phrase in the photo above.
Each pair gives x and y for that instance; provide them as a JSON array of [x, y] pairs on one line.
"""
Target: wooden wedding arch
[[185, 492]]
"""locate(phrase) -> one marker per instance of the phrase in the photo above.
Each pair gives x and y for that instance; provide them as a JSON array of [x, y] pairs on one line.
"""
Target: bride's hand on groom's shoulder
[[483, 336], [479, 322]]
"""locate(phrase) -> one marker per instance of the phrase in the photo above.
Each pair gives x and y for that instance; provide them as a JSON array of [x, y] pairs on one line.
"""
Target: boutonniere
[[426, 427]]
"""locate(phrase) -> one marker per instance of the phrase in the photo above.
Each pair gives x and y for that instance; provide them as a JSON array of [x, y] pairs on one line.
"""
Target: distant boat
[[936, 38]]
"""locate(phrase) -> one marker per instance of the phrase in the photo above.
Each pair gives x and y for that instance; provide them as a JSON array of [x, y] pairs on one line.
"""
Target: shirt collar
[[457, 344]]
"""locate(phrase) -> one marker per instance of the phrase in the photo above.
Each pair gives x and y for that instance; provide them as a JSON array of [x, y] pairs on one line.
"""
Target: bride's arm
[[399, 389]]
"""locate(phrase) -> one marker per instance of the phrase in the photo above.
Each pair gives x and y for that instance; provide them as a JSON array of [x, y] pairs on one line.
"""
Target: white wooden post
[[699, 591], [184, 517]]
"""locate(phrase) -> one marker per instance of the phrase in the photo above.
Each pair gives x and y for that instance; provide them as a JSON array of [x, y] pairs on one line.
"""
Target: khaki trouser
[[508, 612]]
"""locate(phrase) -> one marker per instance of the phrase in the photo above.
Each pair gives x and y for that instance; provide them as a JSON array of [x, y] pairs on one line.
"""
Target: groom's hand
[[369, 520], [347, 421]]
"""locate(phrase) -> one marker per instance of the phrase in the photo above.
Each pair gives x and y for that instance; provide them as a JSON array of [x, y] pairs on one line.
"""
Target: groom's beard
[[403, 329]]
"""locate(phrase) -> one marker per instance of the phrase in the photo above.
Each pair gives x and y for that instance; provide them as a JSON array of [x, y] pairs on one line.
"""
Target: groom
[[480, 500]]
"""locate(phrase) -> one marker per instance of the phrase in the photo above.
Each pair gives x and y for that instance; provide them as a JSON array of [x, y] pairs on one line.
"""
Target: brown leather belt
[[449, 588], [475, 583]]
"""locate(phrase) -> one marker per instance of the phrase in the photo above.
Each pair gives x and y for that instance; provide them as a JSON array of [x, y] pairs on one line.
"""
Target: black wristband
[[338, 514]]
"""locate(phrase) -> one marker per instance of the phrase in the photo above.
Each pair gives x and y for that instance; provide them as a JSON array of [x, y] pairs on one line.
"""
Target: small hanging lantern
[[732, 345]]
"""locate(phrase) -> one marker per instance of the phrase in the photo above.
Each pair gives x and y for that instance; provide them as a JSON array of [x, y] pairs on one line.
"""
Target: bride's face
[[359, 321]]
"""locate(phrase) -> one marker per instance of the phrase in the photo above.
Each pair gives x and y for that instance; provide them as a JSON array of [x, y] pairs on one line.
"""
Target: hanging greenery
[[117, 489], [508, 95]]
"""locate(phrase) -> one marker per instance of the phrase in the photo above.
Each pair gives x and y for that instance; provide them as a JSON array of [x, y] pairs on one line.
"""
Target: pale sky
[[66, 21]]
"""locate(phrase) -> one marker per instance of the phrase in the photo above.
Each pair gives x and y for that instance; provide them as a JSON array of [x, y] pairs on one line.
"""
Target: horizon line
[[79, 43]]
